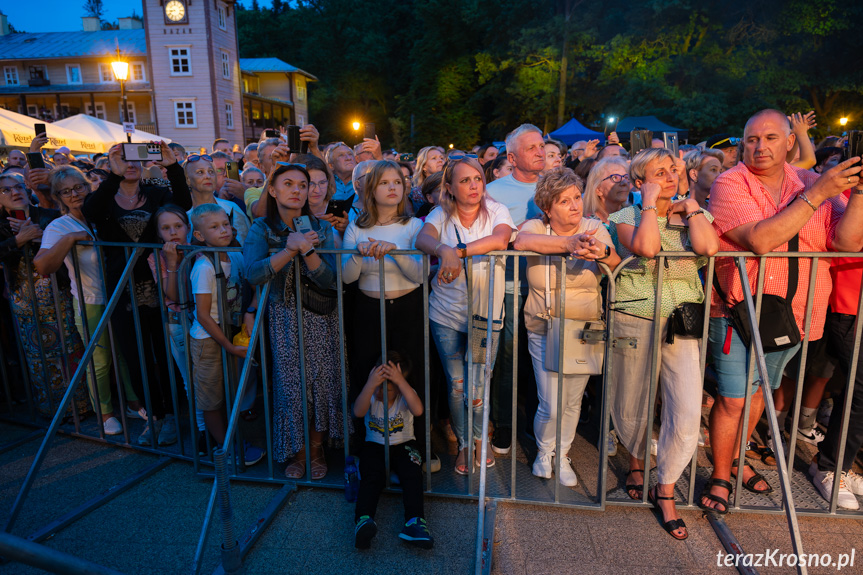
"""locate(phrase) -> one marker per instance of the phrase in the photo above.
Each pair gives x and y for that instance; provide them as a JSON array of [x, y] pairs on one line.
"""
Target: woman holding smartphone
[[292, 229]]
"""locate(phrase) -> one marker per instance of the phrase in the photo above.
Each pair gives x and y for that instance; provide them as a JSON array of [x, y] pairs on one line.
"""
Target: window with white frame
[[184, 114], [99, 112], [223, 18], [130, 106], [73, 74], [181, 61], [106, 74], [229, 115], [137, 72], [301, 89], [33, 110], [38, 73], [11, 75], [226, 65], [61, 111]]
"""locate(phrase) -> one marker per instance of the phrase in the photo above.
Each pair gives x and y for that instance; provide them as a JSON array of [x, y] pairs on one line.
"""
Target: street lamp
[[356, 126], [843, 121], [121, 71]]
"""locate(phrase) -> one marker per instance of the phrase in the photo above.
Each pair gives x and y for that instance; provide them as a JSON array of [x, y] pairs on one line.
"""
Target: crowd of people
[[578, 211]]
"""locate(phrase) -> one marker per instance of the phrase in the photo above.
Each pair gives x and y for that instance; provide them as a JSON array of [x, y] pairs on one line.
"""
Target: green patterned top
[[637, 281]]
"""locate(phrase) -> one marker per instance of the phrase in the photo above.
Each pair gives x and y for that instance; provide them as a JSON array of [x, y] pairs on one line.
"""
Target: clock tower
[[194, 70]]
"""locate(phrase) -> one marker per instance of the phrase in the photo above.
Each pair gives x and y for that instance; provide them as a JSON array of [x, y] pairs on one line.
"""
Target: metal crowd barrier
[[512, 483]]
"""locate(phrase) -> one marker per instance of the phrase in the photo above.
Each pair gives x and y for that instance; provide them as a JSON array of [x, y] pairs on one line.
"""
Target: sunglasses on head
[[196, 157], [291, 165], [457, 157]]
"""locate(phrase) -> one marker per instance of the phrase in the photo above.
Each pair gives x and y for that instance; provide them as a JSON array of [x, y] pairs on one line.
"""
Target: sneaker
[[823, 481], [854, 481], [567, 475], [501, 440], [542, 465], [144, 438], [364, 532], [416, 532], [773, 447], [825, 408], [252, 454], [112, 426], [702, 439], [611, 440], [653, 447], [813, 436], [139, 414], [168, 434], [433, 462]]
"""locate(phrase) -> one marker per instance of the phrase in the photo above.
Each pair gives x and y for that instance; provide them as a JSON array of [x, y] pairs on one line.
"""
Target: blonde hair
[[447, 201], [638, 167], [599, 172], [369, 217], [422, 160], [696, 157]]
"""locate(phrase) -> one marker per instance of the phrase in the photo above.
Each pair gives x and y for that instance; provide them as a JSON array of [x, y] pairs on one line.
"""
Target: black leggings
[[406, 461]]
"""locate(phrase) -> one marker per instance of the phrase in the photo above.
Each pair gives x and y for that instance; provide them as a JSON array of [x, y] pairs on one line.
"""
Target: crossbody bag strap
[[548, 277], [791, 290]]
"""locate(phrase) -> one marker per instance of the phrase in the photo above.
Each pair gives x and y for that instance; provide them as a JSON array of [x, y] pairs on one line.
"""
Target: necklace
[[132, 200], [388, 222]]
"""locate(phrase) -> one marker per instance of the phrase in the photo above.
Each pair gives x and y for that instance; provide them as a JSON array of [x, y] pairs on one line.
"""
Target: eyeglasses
[[322, 184], [77, 189], [457, 157], [615, 178], [196, 157], [16, 187]]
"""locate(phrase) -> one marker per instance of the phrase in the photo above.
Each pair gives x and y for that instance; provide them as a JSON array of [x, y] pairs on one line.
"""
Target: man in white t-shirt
[[525, 150]]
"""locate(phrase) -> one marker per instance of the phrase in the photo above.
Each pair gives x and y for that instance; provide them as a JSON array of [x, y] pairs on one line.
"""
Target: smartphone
[[406, 158], [369, 131], [232, 170], [271, 133], [638, 140], [19, 214], [35, 160], [854, 146], [610, 126], [142, 152], [39, 129], [339, 207], [303, 224], [670, 141], [293, 134], [676, 222]]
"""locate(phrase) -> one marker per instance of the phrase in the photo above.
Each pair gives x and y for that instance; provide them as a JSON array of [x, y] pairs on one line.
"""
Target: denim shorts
[[731, 368]]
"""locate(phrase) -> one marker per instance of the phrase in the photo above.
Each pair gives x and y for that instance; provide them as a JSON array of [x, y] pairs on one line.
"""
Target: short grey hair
[[512, 137], [769, 112], [269, 142], [638, 166], [695, 158], [253, 169]]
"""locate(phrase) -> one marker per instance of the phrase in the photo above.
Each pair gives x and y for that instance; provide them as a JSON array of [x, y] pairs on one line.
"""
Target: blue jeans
[[452, 346], [731, 368]]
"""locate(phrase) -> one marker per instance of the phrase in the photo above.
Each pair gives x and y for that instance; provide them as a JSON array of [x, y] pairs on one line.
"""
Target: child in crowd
[[213, 228], [405, 458], [172, 227]]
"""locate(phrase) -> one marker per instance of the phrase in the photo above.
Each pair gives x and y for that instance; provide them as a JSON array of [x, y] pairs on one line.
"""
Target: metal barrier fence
[[512, 483]]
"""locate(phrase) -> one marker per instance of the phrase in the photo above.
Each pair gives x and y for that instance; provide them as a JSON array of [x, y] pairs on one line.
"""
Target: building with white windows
[[185, 81]]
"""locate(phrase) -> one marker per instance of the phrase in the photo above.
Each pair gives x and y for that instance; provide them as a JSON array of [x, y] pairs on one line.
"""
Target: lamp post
[[356, 126], [842, 121], [121, 71]]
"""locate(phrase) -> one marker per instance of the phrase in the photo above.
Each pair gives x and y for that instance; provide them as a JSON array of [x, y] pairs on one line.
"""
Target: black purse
[[777, 325], [316, 299], [686, 319]]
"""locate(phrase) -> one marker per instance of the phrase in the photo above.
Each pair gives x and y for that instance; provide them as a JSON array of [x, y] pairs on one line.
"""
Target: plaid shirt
[[737, 198]]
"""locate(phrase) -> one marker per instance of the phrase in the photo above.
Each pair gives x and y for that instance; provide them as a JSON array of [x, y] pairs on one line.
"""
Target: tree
[[94, 9]]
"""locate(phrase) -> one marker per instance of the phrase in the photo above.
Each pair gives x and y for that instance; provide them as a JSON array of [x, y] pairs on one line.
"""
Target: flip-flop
[[634, 487], [750, 484], [672, 525], [705, 493]]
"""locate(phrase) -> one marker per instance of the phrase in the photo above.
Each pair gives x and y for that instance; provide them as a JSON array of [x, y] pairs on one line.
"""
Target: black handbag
[[777, 324], [686, 319]]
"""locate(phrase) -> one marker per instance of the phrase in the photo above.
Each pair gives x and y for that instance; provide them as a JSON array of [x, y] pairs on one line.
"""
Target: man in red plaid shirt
[[759, 206]]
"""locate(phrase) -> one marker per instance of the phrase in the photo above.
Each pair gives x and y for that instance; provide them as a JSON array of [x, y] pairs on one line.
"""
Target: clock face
[[175, 10]]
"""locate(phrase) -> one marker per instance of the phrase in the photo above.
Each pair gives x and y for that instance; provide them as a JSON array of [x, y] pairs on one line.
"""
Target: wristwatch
[[310, 252], [693, 214], [251, 310], [462, 249], [607, 253]]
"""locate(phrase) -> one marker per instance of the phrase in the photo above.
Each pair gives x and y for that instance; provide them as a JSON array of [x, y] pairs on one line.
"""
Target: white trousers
[[545, 421], [680, 386]]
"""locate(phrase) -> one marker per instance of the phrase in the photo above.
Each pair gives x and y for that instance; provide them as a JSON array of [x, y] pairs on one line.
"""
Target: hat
[[63, 150], [720, 141]]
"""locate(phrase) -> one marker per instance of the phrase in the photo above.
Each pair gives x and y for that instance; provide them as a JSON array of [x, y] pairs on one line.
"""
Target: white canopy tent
[[17, 131], [105, 132]]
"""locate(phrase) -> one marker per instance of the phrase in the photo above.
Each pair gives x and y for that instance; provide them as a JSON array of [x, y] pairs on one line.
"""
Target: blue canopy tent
[[652, 123], [573, 131]]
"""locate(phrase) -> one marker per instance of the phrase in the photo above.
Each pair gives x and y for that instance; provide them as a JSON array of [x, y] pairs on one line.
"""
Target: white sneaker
[[653, 447], [823, 481], [567, 475], [854, 481], [813, 436], [542, 465], [611, 440], [112, 426]]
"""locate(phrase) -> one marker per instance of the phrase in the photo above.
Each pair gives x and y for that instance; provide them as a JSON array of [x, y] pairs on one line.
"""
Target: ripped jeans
[[452, 346]]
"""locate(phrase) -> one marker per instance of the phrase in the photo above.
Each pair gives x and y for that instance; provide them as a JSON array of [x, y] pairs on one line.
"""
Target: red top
[[847, 274], [738, 197]]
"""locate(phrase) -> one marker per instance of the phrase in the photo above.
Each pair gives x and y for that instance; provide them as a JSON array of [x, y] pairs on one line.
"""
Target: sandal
[[319, 463], [705, 494], [753, 481], [461, 468], [768, 456], [634, 487], [489, 460], [672, 525], [296, 469]]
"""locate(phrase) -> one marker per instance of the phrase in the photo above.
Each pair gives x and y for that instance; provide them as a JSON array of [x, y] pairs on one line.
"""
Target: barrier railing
[[515, 484]]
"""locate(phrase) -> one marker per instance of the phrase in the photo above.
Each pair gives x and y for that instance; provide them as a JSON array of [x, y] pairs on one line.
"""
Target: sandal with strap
[[633, 487], [319, 463], [705, 494], [753, 481], [296, 469], [672, 525]]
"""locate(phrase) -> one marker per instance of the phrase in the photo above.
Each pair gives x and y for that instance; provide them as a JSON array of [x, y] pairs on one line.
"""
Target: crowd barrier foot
[[729, 541]]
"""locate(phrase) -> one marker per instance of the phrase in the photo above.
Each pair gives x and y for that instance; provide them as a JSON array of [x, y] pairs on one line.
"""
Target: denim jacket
[[256, 252]]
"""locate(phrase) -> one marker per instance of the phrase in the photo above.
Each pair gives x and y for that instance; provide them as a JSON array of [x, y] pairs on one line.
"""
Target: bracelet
[[803, 197], [645, 208], [858, 191], [170, 271], [693, 214], [439, 244]]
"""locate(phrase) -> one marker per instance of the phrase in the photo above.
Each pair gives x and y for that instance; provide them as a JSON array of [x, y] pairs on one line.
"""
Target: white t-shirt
[[235, 215], [514, 195], [448, 302], [88, 258], [203, 281], [400, 272], [401, 424]]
